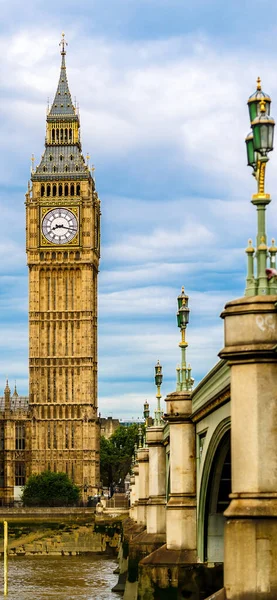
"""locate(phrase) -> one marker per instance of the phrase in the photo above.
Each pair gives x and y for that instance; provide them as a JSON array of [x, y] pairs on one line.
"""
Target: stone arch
[[210, 520]]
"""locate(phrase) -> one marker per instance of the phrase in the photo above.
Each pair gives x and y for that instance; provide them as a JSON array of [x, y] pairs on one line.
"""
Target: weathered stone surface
[[63, 538], [250, 554], [169, 574]]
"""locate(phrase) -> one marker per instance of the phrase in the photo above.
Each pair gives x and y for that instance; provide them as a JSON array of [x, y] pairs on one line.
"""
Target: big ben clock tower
[[63, 249]]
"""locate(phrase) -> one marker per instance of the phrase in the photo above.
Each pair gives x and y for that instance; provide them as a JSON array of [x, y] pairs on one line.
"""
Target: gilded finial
[[63, 43], [273, 248], [259, 87], [32, 163], [250, 248], [87, 157], [262, 106]]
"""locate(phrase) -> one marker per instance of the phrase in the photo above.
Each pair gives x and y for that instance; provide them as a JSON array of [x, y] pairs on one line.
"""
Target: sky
[[162, 87]]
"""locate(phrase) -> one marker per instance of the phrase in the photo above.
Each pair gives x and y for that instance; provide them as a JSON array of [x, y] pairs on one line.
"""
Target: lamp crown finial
[[259, 87], [262, 106]]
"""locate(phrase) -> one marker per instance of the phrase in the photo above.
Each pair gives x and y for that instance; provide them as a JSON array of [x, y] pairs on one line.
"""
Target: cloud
[[161, 243], [156, 302], [135, 95]]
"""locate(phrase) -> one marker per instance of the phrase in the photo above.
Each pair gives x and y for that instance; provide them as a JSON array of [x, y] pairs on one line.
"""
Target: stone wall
[[59, 532]]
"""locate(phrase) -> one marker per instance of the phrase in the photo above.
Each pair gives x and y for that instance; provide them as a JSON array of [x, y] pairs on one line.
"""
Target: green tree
[[50, 489], [116, 454]]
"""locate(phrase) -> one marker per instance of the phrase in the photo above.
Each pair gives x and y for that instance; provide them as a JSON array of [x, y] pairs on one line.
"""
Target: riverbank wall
[[148, 571], [60, 531]]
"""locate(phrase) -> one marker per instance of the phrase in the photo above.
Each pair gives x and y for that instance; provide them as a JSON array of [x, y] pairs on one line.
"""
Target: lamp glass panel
[[253, 110], [250, 152], [257, 137], [184, 317], [158, 379], [270, 136], [264, 136]]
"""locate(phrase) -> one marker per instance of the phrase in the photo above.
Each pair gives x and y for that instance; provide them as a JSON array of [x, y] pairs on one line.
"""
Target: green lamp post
[[158, 383], [259, 142], [146, 413], [184, 379], [140, 436]]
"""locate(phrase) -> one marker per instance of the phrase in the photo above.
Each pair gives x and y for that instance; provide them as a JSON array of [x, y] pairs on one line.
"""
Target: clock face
[[59, 226]]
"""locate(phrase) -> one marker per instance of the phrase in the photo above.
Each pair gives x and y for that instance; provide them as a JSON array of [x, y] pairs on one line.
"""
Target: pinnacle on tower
[[7, 396], [62, 104]]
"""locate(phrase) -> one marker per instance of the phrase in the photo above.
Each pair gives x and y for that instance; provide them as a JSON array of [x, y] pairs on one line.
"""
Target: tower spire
[[62, 105], [63, 152]]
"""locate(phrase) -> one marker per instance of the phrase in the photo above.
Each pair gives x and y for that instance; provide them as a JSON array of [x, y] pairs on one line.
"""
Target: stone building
[[108, 426], [57, 428], [14, 441]]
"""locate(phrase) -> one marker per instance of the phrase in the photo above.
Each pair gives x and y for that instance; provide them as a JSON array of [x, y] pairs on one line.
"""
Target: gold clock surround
[[43, 212]]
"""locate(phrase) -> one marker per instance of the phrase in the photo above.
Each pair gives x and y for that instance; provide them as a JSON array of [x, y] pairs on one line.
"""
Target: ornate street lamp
[[158, 382], [259, 142], [184, 379], [146, 412], [140, 436]]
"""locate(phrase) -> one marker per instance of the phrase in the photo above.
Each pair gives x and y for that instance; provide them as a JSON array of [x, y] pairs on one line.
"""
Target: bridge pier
[[250, 554], [157, 481]]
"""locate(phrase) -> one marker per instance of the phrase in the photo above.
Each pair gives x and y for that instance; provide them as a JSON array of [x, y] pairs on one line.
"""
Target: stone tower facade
[[63, 250]]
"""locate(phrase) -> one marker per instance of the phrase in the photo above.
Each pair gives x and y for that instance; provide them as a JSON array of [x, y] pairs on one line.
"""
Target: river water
[[88, 577]]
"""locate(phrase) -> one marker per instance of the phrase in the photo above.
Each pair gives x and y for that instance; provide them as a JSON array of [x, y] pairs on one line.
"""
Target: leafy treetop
[[116, 454], [50, 489]]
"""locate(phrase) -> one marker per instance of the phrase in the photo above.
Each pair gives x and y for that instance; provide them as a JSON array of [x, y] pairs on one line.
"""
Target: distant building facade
[[108, 426]]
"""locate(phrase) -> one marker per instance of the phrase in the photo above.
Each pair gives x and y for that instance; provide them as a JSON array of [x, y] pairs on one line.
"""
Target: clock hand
[[63, 227], [70, 228]]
